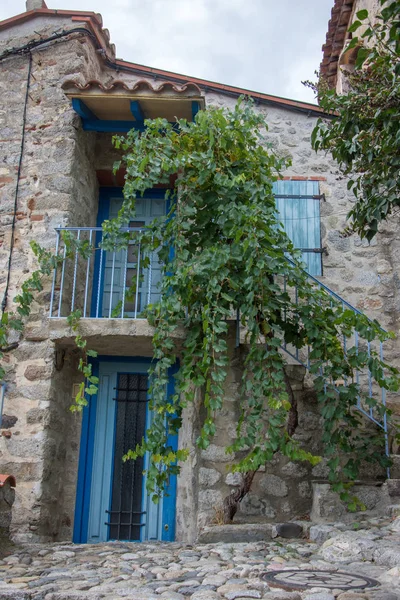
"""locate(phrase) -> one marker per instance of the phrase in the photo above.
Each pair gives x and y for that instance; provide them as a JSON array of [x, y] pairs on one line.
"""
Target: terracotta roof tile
[[188, 88], [335, 39], [94, 23], [7, 479]]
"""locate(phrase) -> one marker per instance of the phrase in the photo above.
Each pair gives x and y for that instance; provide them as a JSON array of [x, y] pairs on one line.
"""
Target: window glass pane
[[130, 277], [137, 223], [129, 307], [132, 253]]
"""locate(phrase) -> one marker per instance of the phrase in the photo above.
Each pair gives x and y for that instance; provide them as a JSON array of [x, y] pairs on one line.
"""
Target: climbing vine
[[223, 251], [11, 321], [14, 321]]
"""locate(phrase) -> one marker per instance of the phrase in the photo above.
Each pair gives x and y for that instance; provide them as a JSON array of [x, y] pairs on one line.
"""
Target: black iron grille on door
[[126, 516]]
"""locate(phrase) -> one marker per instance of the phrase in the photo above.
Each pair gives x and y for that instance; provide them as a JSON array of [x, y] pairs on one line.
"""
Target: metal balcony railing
[[113, 283], [368, 387], [101, 282]]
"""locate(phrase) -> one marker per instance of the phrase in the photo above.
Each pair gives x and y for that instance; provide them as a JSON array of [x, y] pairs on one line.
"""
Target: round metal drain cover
[[303, 579]]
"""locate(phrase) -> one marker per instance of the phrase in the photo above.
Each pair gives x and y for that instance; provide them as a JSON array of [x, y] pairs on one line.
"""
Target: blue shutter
[[301, 218]]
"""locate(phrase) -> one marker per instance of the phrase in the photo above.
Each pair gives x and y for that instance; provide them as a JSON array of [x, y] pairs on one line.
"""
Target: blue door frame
[[83, 492], [105, 195]]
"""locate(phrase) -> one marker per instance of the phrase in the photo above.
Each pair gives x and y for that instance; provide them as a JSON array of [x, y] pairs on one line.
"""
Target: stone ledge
[[251, 532], [117, 337], [328, 508], [232, 534]]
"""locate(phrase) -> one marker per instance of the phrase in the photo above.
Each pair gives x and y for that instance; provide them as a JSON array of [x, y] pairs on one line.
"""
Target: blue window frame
[[298, 203]]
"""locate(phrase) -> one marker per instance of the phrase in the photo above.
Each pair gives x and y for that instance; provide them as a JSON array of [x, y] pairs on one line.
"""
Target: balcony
[[97, 278], [113, 283]]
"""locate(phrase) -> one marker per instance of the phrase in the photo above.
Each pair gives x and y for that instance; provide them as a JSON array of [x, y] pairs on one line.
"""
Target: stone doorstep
[[251, 532], [230, 534]]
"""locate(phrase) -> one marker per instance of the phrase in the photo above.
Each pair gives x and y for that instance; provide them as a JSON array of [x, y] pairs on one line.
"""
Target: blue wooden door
[[123, 268], [118, 504]]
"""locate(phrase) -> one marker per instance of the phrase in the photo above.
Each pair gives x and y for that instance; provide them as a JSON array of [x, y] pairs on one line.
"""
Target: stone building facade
[[62, 97], [336, 61]]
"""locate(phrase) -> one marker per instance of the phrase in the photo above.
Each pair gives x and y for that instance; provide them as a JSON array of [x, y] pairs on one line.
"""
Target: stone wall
[[346, 61], [7, 496], [61, 459], [24, 444], [281, 490], [58, 185]]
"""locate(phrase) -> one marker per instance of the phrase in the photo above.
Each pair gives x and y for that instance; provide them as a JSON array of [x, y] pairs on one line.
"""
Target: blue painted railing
[[363, 379], [97, 283], [83, 283]]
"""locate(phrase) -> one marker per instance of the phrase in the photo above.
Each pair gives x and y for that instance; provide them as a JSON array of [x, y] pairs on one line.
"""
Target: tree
[[364, 136], [224, 250]]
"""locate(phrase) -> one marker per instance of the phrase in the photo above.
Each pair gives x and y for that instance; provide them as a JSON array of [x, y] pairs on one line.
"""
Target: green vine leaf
[[231, 254]]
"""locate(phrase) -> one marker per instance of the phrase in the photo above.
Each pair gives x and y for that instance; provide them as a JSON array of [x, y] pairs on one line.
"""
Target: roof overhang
[[118, 107], [90, 24], [336, 37]]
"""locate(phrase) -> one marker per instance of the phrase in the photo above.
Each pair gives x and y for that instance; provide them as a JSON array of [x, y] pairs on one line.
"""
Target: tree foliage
[[224, 250], [365, 137]]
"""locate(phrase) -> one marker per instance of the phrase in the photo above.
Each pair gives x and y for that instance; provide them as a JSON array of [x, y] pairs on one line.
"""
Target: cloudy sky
[[263, 45]]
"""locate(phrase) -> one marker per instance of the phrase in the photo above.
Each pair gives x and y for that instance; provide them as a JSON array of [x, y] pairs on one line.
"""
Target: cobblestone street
[[222, 571]]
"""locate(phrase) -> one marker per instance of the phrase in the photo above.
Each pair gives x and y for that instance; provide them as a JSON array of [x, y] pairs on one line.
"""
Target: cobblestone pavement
[[222, 571]]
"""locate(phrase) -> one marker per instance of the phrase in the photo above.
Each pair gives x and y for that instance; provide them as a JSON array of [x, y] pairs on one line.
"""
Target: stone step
[[393, 510], [252, 532], [380, 499], [229, 534], [328, 508]]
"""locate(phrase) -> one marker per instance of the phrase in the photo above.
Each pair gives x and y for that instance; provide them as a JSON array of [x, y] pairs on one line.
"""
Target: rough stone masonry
[[58, 186], [345, 557]]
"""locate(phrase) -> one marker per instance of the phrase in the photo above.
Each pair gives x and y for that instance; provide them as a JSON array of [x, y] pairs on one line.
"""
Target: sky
[[266, 46]]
